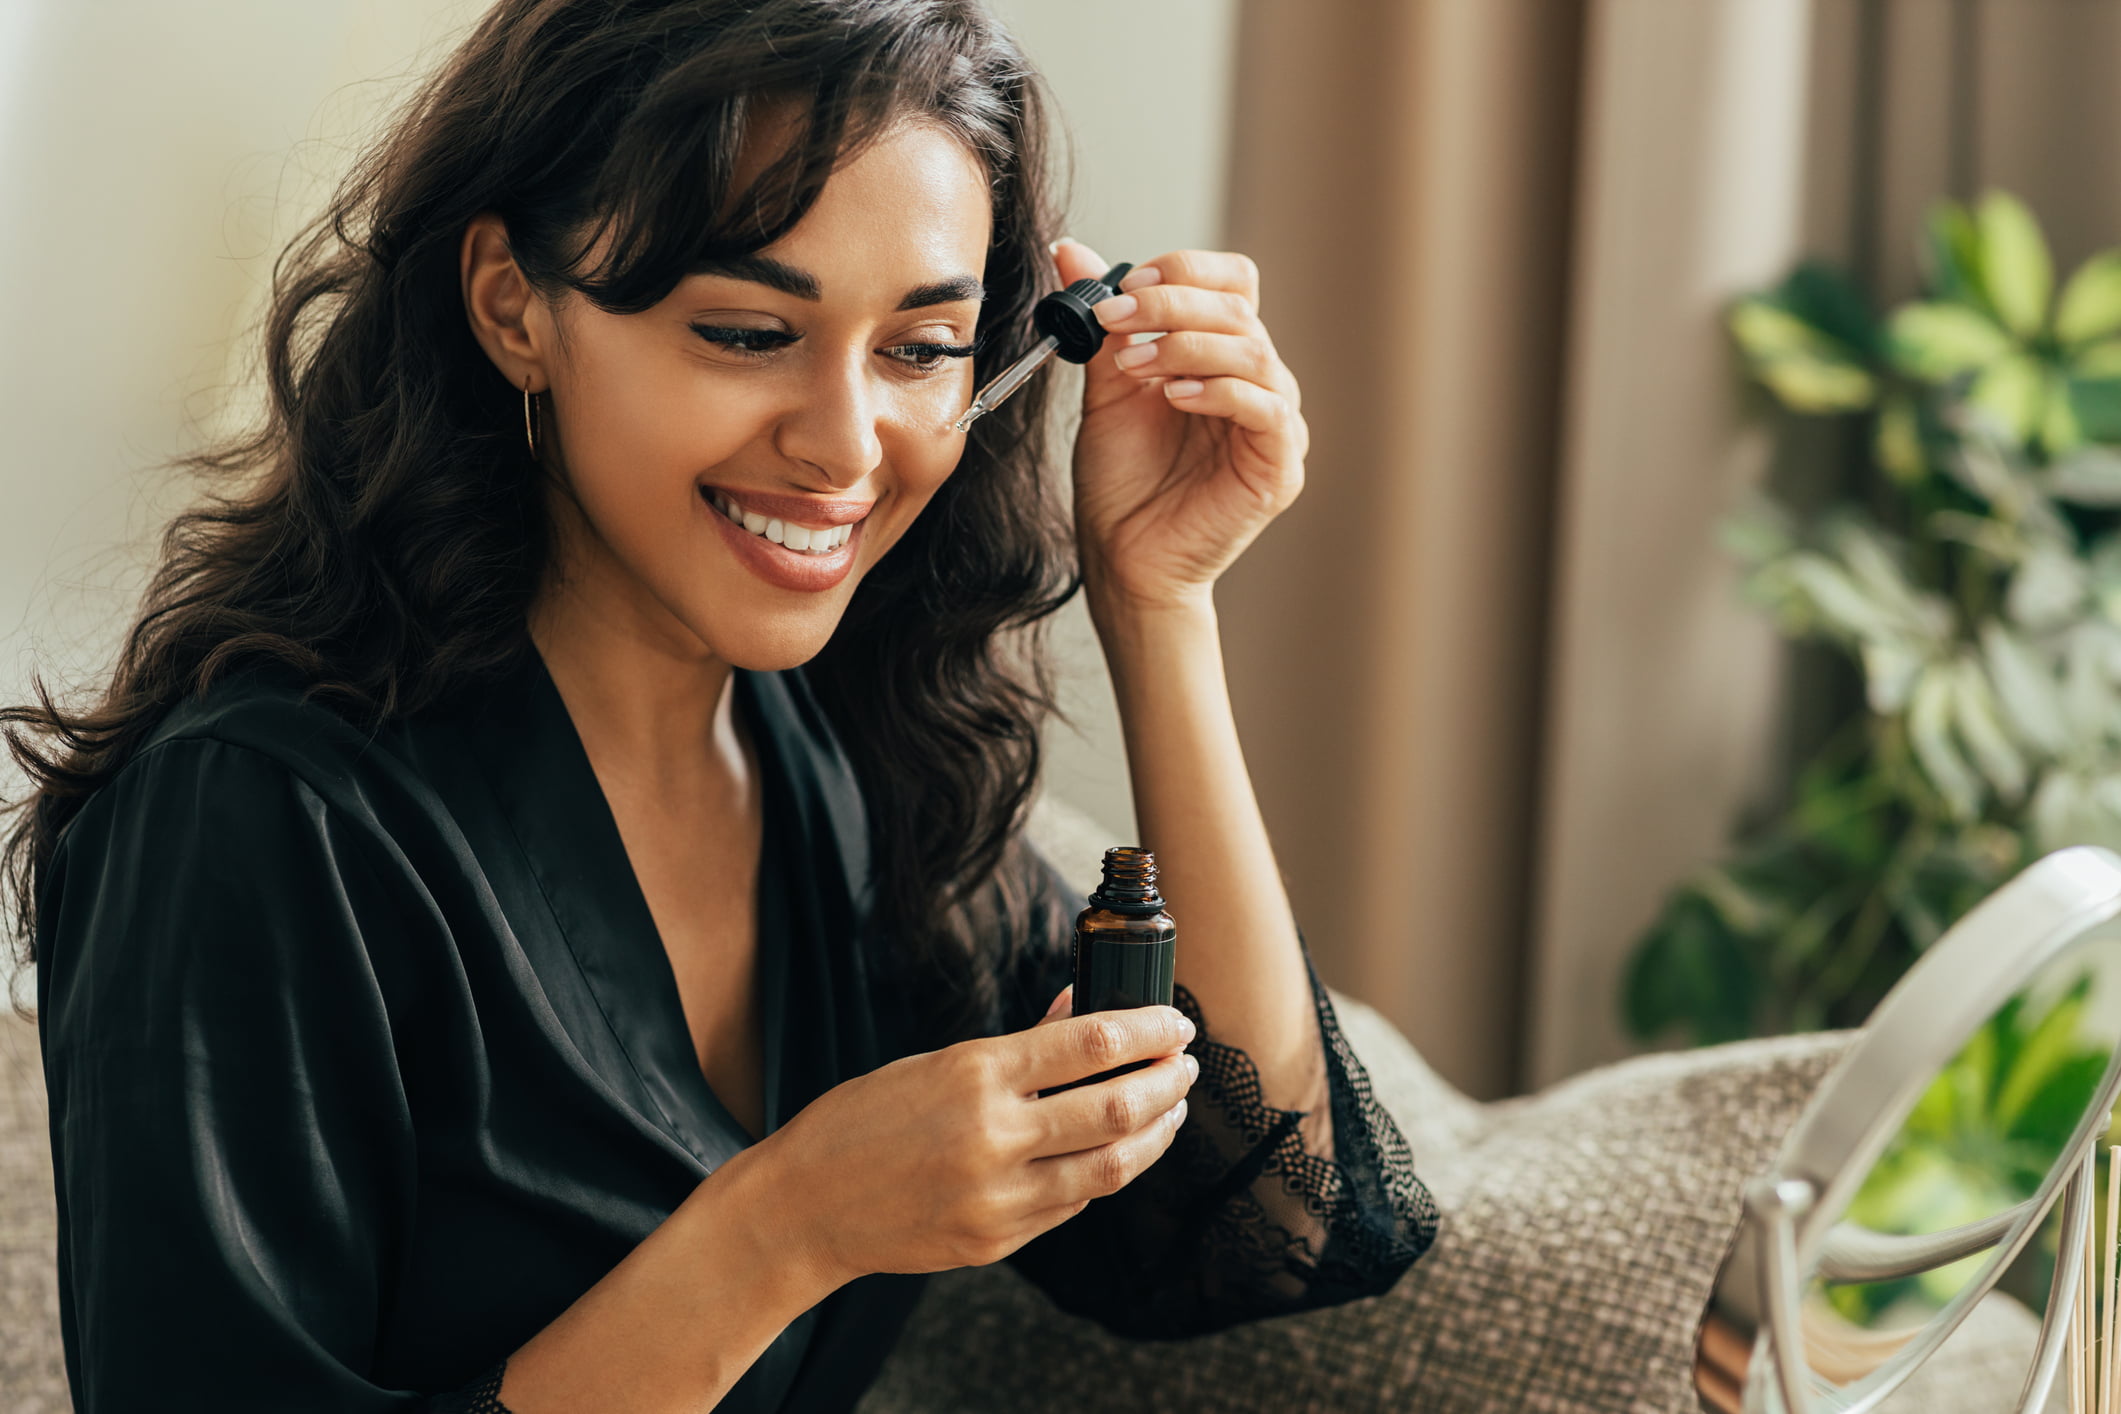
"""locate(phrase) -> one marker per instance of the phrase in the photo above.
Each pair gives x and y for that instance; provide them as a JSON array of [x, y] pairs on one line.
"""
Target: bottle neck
[[1129, 883]]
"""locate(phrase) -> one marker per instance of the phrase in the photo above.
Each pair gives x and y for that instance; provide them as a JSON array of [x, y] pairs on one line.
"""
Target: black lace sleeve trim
[[1239, 1220], [481, 1396]]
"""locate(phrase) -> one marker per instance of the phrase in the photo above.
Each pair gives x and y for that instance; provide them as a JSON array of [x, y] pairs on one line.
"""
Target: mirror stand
[[1774, 1206]]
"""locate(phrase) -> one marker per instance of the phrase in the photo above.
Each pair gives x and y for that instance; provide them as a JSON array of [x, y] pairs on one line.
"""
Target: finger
[[1163, 308], [1260, 411], [1072, 261], [1078, 1046], [1089, 1115], [1188, 354], [1092, 1173], [1209, 269], [1062, 1008]]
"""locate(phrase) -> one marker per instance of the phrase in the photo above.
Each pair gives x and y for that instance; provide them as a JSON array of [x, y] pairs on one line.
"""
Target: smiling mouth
[[802, 539]]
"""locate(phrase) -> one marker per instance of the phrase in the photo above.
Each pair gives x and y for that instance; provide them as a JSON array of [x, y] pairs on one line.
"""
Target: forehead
[[911, 207]]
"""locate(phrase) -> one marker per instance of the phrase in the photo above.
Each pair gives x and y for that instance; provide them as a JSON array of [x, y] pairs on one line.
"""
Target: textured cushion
[[32, 1368]]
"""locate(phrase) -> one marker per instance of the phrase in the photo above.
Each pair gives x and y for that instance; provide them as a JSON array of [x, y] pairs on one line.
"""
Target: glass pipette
[[1071, 331]]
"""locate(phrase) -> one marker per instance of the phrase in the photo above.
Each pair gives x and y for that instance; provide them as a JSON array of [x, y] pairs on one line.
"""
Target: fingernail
[[1134, 355], [1186, 1023], [1053, 248], [1115, 308], [1184, 388], [1178, 1114], [1142, 276], [1193, 1067]]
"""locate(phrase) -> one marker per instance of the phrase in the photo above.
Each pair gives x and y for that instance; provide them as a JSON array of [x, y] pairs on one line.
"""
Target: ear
[[507, 317]]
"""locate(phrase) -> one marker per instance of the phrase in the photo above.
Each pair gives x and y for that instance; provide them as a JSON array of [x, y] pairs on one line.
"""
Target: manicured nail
[[1114, 308], [1053, 248], [1144, 276], [1184, 388], [1134, 355]]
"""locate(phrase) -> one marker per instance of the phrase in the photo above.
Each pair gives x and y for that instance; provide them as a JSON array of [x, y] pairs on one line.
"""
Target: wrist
[[1115, 609], [747, 1206]]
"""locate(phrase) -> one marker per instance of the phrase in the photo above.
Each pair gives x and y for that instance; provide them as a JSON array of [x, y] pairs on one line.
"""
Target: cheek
[[644, 434]]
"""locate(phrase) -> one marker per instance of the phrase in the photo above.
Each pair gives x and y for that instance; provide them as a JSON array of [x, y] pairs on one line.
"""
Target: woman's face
[[745, 451]]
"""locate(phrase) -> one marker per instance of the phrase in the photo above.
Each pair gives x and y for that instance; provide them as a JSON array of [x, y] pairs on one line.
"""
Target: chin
[[768, 642]]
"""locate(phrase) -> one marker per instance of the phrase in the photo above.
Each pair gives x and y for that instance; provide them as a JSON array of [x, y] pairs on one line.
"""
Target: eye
[[749, 343], [926, 358]]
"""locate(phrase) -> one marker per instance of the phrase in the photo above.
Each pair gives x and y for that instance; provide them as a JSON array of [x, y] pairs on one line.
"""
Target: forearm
[[672, 1327], [1238, 951]]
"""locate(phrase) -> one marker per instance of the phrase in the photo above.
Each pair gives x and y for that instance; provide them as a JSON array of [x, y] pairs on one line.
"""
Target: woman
[[538, 919]]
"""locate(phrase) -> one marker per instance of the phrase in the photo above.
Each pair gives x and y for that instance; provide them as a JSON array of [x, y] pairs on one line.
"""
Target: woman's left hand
[[1189, 444]]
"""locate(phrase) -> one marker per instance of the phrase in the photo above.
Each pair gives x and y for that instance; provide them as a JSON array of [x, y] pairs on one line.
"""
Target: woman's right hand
[[951, 1158]]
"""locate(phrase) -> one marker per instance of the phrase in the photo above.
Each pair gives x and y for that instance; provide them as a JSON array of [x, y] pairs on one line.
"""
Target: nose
[[834, 427]]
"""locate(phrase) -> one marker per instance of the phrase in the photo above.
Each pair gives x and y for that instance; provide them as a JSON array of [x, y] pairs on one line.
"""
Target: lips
[[826, 533], [813, 537]]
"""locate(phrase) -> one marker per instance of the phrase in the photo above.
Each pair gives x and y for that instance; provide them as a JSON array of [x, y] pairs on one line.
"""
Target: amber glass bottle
[[1126, 946]]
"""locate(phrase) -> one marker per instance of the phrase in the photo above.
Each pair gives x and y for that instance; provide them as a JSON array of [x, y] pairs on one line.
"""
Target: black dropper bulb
[[1065, 315]]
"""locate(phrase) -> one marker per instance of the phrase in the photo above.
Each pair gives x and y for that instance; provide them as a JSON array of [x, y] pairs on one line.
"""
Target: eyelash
[[758, 343]]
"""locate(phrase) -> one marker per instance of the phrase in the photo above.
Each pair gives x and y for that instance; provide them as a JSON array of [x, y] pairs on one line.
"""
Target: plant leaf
[[1889, 671], [1928, 727], [1974, 712], [2089, 476], [2090, 307], [2048, 589], [2088, 701], [1953, 248], [2025, 689], [2015, 265], [1939, 341], [1807, 370], [2099, 361], [1897, 442], [2060, 432], [2011, 391], [1845, 606], [1825, 297]]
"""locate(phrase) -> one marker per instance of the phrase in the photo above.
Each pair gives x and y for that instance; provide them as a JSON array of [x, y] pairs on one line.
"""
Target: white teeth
[[799, 538]]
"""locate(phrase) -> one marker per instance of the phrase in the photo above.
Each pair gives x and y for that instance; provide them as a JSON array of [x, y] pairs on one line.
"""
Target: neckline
[[565, 824]]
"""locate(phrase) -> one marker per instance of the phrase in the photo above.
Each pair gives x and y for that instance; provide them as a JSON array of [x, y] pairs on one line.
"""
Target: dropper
[[1071, 331]]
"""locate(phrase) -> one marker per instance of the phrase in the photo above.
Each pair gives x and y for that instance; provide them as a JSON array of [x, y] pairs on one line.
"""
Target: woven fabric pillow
[[32, 1365], [1582, 1229]]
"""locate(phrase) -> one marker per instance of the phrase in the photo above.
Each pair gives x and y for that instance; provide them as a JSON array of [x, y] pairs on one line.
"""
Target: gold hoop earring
[[530, 419]]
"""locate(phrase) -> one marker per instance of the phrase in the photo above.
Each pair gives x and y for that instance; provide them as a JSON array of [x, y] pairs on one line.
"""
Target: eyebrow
[[957, 287], [790, 280]]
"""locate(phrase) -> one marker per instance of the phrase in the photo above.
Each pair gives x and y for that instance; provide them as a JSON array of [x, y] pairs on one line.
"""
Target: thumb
[[1072, 261], [1063, 1006]]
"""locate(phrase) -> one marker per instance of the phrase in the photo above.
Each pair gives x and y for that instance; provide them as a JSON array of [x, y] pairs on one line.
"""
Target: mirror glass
[[1954, 1226]]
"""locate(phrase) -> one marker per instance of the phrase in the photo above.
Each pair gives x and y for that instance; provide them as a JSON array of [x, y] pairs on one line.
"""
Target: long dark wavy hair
[[382, 531]]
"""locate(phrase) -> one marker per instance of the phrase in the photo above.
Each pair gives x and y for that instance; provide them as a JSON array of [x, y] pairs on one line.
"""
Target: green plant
[[1972, 572]]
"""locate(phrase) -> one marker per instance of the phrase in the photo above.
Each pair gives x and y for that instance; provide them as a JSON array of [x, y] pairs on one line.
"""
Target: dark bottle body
[[1125, 947]]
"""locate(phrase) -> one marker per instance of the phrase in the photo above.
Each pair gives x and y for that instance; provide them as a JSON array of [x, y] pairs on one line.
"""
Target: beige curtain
[[1498, 690], [1403, 177]]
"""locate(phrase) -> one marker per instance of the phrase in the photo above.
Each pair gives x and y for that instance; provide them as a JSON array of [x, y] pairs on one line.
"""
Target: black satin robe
[[366, 1061]]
